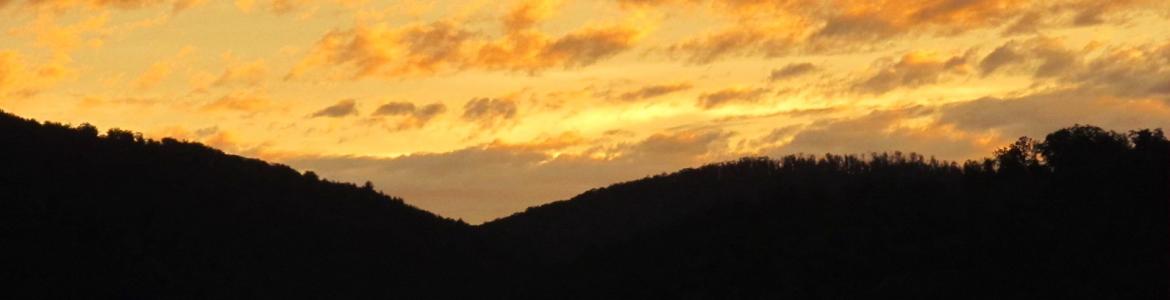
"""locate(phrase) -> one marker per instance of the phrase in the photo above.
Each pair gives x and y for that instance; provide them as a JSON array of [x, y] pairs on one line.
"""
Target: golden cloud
[[653, 91], [153, 75], [383, 51], [72, 4], [466, 183], [343, 108], [558, 142], [445, 46], [730, 95], [248, 102], [739, 40], [529, 13], [243, 74], [773, 28], [160, 70], [793, 70], [410, 116], [47, 32], [913, 69], [1047, 56], [20, 78], [1040, 113], [1128, 71], [884, 131], [489, 112]]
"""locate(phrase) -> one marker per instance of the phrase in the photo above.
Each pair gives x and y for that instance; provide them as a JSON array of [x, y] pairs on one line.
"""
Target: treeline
[[1080, 214], [119, 216]]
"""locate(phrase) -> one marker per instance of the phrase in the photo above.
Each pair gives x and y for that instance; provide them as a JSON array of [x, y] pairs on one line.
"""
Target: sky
[[476, 110]]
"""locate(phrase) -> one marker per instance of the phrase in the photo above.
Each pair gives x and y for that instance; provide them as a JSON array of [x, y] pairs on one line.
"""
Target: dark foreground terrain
[[1080, 214]]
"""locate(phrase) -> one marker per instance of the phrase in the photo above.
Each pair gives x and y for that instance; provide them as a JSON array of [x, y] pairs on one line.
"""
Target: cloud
[[528, 14], [776, 136], [731, 95], [48, 32], [489, 112], [181, 5], [21, 78], [562, 141], [273, 6], [279, 7], [153, 75], [1002, 56], [684, 146], [248, 102], [1038, 114], [913, 69], [243, 74], [394, 109], [410, 116], [384, 51], [653, 91], [884, 131], [1117, 88], [10, 69], [587, 46], [793, 70], [343, 108], [1121, 87], [867, 20], [160, 70], [75, 4], [225, 140], [1126, 71], [774, 28], [480, 183], [530, 51], [741, 40], [445, 46], [1047, 57]]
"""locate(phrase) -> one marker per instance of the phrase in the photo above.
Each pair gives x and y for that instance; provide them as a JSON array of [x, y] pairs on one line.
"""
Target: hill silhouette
[[1081, 214], [120, 216]]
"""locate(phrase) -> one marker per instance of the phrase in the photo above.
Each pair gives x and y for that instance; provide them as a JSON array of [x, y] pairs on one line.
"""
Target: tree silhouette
[[1080, 214]]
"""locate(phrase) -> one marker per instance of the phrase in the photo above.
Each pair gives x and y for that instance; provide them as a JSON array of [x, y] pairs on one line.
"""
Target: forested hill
[[1082, 213], [115, 215]]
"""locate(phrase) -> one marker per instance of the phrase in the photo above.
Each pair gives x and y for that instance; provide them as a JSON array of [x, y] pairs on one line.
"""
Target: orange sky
[[478, 109]]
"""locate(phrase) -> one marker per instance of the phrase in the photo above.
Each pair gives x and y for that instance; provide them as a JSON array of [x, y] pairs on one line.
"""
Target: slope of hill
[[92, 216], [1081, 214]]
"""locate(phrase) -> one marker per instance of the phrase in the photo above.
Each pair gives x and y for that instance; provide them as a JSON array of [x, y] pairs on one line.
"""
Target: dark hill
[[118, 216], [1081, 214]]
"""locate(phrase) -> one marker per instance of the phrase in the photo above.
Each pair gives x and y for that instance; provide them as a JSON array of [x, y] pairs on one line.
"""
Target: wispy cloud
[[343, 108]]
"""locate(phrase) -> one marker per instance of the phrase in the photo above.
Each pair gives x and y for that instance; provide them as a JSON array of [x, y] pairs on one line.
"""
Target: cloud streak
[[343, 108], [730, 96], [409, 116], [792, 71], [654, 91], [489, 112], [478, 183], [445, 46], [912, 70]]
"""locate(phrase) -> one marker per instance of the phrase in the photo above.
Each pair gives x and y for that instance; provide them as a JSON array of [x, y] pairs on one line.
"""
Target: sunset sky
[[479, 109]]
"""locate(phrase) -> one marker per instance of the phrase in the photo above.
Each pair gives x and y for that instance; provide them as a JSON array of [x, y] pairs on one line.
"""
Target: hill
[[118, 216], [1082, 213]]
